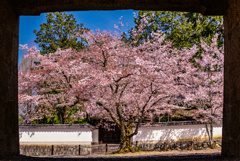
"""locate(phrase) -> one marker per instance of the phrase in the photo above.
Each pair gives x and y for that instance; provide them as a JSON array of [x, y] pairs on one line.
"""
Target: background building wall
[[74, 140], [84, 134], [175, 133], [55, 135]]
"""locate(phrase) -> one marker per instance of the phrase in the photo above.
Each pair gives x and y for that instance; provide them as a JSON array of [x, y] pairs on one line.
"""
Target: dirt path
[[195, 155]]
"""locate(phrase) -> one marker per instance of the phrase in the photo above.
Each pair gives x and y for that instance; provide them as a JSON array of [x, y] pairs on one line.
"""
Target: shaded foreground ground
[[205, 155]]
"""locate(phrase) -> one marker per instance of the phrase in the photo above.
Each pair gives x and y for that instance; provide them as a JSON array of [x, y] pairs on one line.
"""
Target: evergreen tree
[[182, 28], [60, 31]]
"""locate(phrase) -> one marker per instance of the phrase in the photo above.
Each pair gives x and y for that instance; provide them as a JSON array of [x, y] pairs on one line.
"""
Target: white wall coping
[[54, 126]]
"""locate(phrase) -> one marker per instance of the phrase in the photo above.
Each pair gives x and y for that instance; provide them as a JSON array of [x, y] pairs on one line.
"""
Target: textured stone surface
[[66, 150], [166, 146], [99, 149], [231, 111], [102, 149], [36, 150], [9, 26], [56, 150]]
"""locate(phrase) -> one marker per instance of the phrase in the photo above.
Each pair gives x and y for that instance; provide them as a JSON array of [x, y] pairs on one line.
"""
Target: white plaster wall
[[87, 136], [174, 133], [56, 136]]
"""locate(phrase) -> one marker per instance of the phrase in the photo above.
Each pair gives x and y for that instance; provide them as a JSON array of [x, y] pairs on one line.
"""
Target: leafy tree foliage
[[182, 28], [60, 31]]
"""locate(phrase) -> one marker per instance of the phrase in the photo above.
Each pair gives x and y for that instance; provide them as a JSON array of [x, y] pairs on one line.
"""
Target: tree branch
[[110, 113], [122, 78], [67, 79], [154, 103], [123, 90], [141, 118], [105, 59]]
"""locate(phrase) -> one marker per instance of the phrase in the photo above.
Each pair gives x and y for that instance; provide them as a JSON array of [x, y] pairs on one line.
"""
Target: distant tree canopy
[[182, 28], [60, 31]]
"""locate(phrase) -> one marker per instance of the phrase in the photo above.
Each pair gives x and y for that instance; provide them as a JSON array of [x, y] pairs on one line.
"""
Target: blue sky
[[103, 20]]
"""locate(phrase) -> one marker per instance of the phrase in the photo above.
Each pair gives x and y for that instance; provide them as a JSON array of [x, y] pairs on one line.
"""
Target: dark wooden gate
[[109, 136]]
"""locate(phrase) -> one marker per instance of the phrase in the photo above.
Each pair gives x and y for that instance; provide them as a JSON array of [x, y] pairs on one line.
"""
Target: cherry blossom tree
[[135, 82], [120, 83], [204, 88], [52, 85]]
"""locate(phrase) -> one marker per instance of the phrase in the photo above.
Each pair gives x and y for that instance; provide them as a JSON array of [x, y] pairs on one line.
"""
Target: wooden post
[[52, 152], [9, 29], [79, 150], [231, 108], [106, 148]]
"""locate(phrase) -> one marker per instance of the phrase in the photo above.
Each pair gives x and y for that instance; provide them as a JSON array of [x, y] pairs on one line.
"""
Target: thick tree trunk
[[209, 129], [126, 145], [65, 121]]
